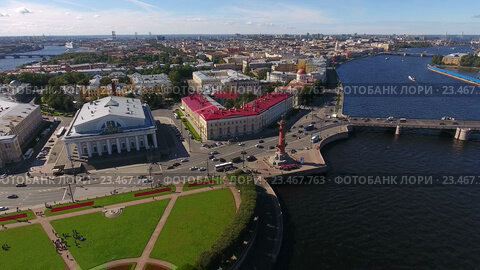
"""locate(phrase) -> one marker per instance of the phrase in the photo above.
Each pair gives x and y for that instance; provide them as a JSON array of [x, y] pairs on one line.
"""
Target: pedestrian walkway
[[145, 259]]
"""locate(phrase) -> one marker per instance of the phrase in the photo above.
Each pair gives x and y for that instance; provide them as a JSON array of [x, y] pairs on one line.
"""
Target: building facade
[[229, 80], [19, 123], [111, 125], [215, 122]]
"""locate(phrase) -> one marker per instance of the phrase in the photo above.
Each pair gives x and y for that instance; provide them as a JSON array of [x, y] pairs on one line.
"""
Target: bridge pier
[[462, 134], [398, 130]]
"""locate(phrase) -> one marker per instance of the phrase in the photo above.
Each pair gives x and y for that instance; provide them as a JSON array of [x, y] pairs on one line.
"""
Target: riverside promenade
[[454, 75]]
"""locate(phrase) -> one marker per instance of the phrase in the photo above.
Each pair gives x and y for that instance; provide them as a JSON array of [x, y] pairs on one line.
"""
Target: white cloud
[[196, 20], [249, 23], [67, 13], [4, 15], [96, 16], [23, 10], [476, 16]]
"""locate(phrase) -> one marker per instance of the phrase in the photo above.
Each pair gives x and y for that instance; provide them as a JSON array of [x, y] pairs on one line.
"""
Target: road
[[197, 156]]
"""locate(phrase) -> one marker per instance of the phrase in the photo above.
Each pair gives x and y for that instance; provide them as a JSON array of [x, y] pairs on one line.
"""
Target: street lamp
[[243, 159]]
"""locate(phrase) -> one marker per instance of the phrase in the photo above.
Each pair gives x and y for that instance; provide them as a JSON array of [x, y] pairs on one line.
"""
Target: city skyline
[[67, 17]]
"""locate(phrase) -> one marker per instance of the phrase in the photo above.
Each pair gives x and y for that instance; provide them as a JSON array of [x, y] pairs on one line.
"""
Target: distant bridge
[[18, 55], [408, 54], [463, 129]]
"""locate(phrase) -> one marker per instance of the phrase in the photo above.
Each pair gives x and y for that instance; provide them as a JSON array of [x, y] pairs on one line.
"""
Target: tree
[[105, 81], [437, 59], [262, 74]]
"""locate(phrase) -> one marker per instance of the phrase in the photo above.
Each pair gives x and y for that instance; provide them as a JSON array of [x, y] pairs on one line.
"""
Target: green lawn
[[179, 112], [194, 224], [111, 239], [29, 213], [192, 130], [30, 249], [218, 181], [110, 200]]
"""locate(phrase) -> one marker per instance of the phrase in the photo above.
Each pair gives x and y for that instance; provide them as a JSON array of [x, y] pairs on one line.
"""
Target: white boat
[[386, 58], [412, 79], [70, 45]]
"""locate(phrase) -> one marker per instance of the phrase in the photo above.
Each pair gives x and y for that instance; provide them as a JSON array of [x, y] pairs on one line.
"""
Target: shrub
[[233, 236]]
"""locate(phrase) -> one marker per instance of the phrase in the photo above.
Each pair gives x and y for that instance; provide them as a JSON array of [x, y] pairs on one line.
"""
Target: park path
[[44, 221], [66, 255]]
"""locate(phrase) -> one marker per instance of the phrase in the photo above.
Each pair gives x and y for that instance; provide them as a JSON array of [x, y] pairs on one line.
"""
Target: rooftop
[[12, 112], [210, 111]]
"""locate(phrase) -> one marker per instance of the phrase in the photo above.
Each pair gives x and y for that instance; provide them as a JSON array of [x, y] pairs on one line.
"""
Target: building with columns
[[111, 125]]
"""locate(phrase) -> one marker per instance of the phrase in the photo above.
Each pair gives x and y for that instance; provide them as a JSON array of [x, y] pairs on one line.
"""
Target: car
[[193, 168], [243, 152], [21, 185], [3, 208], [176, 164], [236, 159], [219, 143], [261, 141], [300, 131], [251, 158], [241, 144], [335, 121], [293, 127], [13, 196], [271, 147], [214, 159], [301, 126], [259, 146], [222, 160], [185, 160], [3, 176], [202, 169], [205, 145], [455, 123], [442, 124], [170, 167], [211, 157], [294, 135], [293, 151], [214, 153], [147, 181], [57, 171]]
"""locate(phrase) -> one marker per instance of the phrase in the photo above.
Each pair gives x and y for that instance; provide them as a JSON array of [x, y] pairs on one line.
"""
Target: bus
[[224, 167], [60, 132]]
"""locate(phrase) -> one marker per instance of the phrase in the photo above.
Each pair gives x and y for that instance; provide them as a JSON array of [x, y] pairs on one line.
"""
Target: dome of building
[[301, 71]]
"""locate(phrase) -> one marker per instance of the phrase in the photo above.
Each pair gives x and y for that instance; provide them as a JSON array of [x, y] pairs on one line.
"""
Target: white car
[[3, 176], [3, 208], [241, 144]]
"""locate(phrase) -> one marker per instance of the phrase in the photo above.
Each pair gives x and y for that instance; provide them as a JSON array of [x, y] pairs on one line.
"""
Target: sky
[[100, 17]]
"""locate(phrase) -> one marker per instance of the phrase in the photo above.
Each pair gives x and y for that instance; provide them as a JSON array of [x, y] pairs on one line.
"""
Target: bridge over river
[[463, 129], [18, 55]]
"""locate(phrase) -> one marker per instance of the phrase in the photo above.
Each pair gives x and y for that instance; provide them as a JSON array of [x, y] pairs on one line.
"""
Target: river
[[389, 226], [8, 64]]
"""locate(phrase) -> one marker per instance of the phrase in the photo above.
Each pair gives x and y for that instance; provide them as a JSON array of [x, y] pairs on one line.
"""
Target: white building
[[283, 77], [150, 81], [111, 124], [19, 123], [212, 81]]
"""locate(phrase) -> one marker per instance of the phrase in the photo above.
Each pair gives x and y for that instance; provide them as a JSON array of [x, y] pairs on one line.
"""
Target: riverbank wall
[[456, 76]]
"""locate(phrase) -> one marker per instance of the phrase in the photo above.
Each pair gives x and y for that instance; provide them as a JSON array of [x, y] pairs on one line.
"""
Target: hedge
[[233, 236]]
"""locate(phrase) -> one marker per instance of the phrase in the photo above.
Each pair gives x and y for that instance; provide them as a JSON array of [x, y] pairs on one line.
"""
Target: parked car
[[176, 164], [251, 158], [211, 157], [261, 141], [241, 144], [271, 147], [170, 167], [3, 208], [243, 152], [214, 159], [222, 160], [13, 196], [259, 146], [214, 153], [193, 168], [236, 159], [21, 185], [202, 169], [3, 176], [293, 151]]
